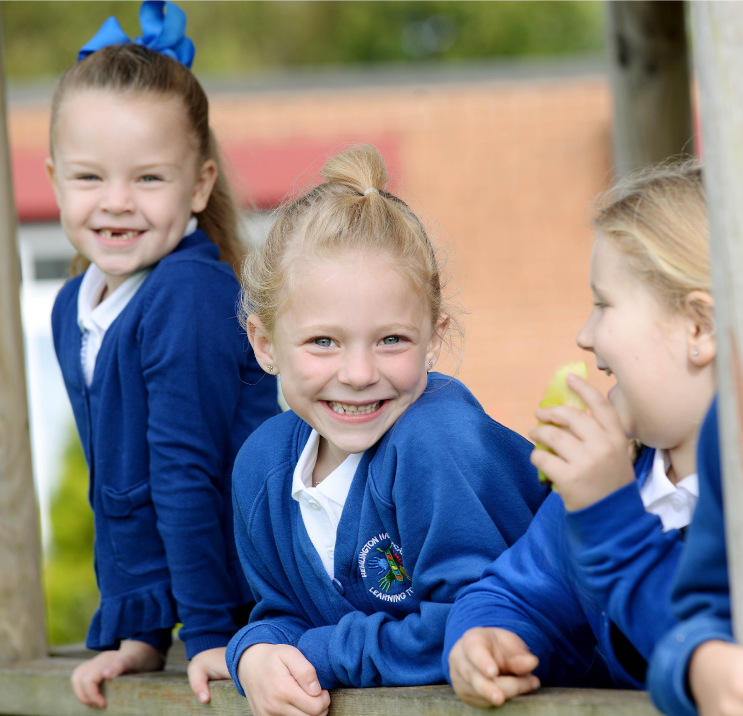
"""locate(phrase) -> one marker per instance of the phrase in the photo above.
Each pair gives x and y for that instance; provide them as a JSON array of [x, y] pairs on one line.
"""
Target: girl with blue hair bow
[[162, 384]]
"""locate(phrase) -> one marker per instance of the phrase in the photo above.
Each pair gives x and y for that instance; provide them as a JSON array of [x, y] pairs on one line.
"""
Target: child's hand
[[206, 666], [716, 678], [279, 681], [130, 656], [591, 458], [488, 666]]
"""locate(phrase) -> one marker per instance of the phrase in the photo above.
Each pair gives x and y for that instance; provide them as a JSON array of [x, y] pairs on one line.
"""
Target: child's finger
[[520, 664], [512, 686], [199, 682], [597, 403], [481, 659], [90, 686], [562, 442], [302, 671], [484, 691]]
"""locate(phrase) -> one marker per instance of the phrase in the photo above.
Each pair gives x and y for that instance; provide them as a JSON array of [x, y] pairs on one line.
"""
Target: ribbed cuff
[[667, 675], [315, 645], [197, 644]]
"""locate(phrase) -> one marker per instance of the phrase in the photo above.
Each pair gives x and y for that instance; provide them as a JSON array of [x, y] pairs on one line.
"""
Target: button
[[338, 586], [331, 552], [677, 502], [314, 504]]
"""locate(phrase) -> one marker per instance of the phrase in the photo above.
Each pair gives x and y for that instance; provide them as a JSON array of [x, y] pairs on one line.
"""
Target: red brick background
[[503, 173]]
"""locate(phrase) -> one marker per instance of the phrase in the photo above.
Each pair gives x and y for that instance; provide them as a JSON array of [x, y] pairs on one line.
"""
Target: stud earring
[[270, 369], [430, 364], [696, 353]]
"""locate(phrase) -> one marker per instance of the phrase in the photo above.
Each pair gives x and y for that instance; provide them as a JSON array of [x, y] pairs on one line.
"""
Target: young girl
[[362, 512], [594, 571], [162, 387]]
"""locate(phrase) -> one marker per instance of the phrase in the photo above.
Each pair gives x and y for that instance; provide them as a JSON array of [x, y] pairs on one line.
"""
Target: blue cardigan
[[701, 595], [597, 577], [431, 504], [175, 393]]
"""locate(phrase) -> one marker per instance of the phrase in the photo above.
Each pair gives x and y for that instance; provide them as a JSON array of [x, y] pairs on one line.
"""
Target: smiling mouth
[[347, 409], [118, 235]]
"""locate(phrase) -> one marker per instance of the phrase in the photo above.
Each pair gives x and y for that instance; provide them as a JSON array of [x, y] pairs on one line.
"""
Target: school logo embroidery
[[391, 567], [384, 558]]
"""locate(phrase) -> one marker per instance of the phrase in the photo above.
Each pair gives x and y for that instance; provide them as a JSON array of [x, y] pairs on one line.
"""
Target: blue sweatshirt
[[175, 393], [577, 581], [430, 506], [701, 594]]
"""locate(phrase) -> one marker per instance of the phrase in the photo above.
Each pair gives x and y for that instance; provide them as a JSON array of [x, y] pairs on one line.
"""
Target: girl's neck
[[329, 458], [683, 460]]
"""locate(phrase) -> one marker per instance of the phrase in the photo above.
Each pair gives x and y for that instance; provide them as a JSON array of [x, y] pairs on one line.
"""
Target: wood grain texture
[[42, 688], [718, 54], [648, 56], [22, 631]]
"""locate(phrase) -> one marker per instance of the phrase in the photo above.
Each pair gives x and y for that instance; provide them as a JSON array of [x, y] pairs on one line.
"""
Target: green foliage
[[71, 592], [42, 38]]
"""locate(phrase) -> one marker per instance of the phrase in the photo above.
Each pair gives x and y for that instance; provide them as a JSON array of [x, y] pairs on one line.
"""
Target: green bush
[[42, 38], [71, 591]]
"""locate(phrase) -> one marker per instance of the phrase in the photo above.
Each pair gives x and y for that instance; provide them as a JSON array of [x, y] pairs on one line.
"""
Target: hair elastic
[[371, 190], [163, 30]]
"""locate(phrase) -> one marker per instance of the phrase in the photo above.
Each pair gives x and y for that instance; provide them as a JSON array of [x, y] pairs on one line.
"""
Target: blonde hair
[[138, 70], [350, 211], [658, 218]]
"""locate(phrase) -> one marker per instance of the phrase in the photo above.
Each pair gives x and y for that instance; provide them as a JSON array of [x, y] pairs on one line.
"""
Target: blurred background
[[494, 118]]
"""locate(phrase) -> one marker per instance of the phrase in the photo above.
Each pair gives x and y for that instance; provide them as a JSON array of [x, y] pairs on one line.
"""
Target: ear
[[52, 176], [702, 346], [262, 344], [437, 339], [205, 180]]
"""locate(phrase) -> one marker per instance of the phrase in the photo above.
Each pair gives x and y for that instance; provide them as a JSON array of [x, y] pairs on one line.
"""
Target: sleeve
[[191, 354], [700, 597], [276, 619], [443, 472], [528, 591], [624, 558]]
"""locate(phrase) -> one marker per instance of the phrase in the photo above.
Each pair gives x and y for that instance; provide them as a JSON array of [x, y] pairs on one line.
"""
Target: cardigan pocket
[[137, 545]]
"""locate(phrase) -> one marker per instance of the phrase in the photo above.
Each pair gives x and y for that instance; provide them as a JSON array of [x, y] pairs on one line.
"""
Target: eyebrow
[[327, 328]]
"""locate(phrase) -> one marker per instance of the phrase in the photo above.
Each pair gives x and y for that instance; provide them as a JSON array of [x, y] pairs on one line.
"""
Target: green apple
[[558, 393]]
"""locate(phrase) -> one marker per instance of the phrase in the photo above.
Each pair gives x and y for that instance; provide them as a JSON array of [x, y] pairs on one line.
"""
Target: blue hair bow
[[163, 29]]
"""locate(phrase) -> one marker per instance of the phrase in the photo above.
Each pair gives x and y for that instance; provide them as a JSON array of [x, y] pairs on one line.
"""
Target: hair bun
[[361, 169]]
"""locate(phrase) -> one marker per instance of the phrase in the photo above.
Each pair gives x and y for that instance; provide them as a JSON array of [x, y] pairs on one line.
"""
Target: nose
[[359, 369], [584, 339], [117, 199]]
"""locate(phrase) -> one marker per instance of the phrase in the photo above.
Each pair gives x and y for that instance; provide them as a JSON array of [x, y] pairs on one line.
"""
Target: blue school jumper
[[176, 391], [701, 594], [431, 504], [597, 577]]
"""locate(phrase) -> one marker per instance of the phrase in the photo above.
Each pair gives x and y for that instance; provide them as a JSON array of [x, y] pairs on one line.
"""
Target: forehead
[[149, 118], [356, 288]]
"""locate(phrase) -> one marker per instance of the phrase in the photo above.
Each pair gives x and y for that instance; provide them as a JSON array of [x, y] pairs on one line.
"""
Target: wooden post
[[650, 77], [22, 628], [718, 29]]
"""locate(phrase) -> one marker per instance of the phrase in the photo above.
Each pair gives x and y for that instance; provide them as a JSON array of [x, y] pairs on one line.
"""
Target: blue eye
[[150, 178], [391, 340], [323, 342]]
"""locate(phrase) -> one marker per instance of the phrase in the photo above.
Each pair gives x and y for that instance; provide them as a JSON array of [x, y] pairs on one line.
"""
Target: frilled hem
[[125, 615]]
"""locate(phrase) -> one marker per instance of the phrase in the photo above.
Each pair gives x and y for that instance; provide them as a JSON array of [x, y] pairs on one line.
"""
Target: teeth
[[119, 235], [345, 409]]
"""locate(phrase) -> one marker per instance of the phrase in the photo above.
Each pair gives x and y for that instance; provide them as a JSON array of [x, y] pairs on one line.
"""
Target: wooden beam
[[649, 65], [22, 630], [42, 688], [718, 30]]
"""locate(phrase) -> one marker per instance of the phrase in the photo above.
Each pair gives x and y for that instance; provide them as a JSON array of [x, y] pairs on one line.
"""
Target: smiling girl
[[386, 489], [161, 385], [588, 587]]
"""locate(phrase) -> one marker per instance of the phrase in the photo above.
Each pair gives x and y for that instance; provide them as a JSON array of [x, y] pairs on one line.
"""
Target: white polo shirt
[[321, 506], [674, 504]]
